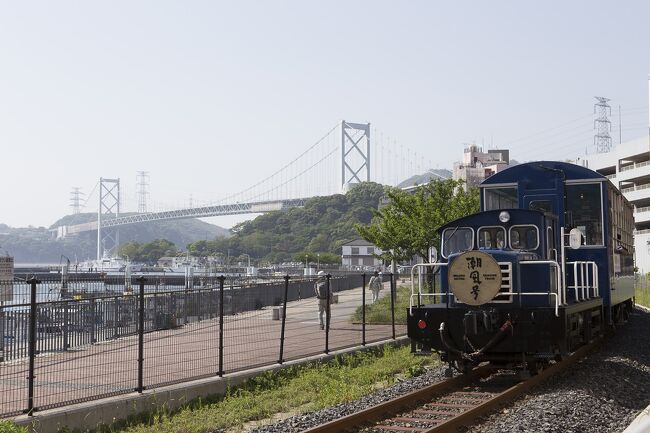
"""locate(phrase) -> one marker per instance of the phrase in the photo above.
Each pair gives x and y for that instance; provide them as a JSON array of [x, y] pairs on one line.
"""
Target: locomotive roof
[[536, 169]]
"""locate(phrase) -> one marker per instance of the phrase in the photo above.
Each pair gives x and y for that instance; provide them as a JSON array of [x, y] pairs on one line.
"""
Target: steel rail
[[411, 402]]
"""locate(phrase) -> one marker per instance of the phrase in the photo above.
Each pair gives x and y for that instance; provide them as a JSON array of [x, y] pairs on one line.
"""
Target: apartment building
[[477, 165], [628, 167]]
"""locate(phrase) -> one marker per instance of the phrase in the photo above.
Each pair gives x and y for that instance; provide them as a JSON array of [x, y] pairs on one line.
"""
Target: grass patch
[[10, 427], [292, 390], [379, 312], [642, 296]]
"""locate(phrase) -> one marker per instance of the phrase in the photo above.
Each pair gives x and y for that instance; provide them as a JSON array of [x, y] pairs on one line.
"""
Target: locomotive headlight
[[504, 217]]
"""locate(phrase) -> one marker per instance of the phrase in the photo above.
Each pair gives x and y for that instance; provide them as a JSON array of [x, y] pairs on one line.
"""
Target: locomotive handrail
[[584, 285], [560, 298], [419, 294]]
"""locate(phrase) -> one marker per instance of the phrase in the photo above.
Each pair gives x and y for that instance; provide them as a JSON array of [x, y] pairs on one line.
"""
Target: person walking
[[320, 287], [375, 286]]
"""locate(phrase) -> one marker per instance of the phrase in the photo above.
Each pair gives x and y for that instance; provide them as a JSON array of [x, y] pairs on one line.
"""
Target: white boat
[[108, 264]]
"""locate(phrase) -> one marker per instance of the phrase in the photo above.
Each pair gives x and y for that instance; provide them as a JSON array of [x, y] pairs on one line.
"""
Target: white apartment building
[[628, 167], [477, 165]]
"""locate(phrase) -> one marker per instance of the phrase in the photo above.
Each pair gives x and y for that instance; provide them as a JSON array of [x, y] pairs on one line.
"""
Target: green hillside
[[320, 227]]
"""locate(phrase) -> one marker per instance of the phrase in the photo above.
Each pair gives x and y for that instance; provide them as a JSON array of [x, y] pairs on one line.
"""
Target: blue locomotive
[[545, 266]]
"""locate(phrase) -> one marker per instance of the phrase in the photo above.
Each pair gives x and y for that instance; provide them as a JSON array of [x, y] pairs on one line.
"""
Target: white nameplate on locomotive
[[474, 277]]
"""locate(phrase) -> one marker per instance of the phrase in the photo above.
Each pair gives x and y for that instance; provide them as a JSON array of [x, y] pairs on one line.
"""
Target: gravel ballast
[[603, 393]]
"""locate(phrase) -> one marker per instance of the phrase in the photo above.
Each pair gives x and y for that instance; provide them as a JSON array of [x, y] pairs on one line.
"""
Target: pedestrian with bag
[[320, 287]]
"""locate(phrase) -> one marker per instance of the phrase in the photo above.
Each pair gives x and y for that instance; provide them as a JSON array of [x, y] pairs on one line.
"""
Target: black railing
[[65, 345]]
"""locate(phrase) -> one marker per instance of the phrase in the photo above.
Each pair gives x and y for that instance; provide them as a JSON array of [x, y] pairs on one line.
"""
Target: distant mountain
[[39, 245], [421, 179]]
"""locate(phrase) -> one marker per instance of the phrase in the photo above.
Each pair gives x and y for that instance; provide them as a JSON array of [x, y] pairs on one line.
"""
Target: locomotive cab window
[[501, 198], [584, 211], [492, 237], [524, 237], [457, 240]]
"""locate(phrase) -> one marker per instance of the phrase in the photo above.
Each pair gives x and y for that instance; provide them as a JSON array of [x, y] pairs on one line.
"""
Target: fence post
[[392, 302], [186, 304], [32, 345], [116, 317], [66, 325], [221, 281], [363, 310], [284, 317], [140, 387], [93, 321], [328, 310]]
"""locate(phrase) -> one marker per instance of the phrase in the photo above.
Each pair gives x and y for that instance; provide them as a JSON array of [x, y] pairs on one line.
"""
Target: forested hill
[[37, 244], [320, 227]]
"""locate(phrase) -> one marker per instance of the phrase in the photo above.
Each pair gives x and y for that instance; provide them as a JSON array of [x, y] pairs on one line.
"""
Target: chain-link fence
[[81, 338]]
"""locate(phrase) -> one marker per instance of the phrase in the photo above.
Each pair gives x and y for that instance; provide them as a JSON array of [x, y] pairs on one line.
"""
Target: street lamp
[[317, 261]]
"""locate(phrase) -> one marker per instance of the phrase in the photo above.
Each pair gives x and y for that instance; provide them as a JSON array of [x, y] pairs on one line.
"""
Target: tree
[[408, 225]]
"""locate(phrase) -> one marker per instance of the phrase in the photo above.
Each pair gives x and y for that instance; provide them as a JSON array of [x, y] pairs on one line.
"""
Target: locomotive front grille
[[506, 283]]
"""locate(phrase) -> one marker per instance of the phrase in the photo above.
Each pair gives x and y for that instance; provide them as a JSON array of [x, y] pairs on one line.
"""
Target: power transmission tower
[[355, 153], [143, 191], [602, 125], [109, 207], [75, 200]]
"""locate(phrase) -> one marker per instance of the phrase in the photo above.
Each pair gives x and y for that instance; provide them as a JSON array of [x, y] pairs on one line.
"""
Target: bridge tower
[[109, 207], [355, 153]]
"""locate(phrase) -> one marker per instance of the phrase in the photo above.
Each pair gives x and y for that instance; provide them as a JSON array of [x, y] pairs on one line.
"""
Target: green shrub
[[10, 427]]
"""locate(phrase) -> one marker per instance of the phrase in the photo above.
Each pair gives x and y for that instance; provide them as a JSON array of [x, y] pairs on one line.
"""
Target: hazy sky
[[211, 96]]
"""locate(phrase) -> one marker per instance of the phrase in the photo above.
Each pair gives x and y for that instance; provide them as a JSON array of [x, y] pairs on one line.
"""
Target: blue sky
[[211, 96]]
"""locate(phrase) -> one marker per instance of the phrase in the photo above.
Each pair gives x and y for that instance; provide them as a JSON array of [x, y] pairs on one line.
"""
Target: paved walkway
[[250, 339]]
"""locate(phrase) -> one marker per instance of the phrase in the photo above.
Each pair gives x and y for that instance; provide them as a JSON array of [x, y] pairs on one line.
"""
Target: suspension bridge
[[344, 156]]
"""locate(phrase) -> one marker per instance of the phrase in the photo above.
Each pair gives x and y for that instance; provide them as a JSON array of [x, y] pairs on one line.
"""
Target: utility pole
[[602, 125], [143, 190]]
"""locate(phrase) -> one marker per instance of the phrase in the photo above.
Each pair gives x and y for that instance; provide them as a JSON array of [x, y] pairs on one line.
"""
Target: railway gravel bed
[[603, 393]]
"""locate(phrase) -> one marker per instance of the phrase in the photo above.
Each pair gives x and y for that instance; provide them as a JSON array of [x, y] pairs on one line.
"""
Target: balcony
[[633, 171], [635, 193], [642, 215]]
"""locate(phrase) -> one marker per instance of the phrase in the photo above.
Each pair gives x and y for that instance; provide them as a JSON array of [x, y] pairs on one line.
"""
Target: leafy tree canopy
[[408, 225], [149, 252]]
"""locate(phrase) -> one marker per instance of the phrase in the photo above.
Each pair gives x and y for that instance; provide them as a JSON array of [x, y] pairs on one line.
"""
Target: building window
[[355, 251], [371, 250]]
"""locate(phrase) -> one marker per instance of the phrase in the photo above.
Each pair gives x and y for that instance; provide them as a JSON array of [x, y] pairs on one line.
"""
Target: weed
[[296, 389], [10, 427]]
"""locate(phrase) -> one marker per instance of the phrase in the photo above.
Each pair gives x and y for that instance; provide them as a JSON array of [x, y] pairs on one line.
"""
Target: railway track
[[448, 405]]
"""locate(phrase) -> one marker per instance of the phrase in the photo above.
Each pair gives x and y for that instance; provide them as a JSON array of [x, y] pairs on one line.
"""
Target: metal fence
[[70, 341]]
